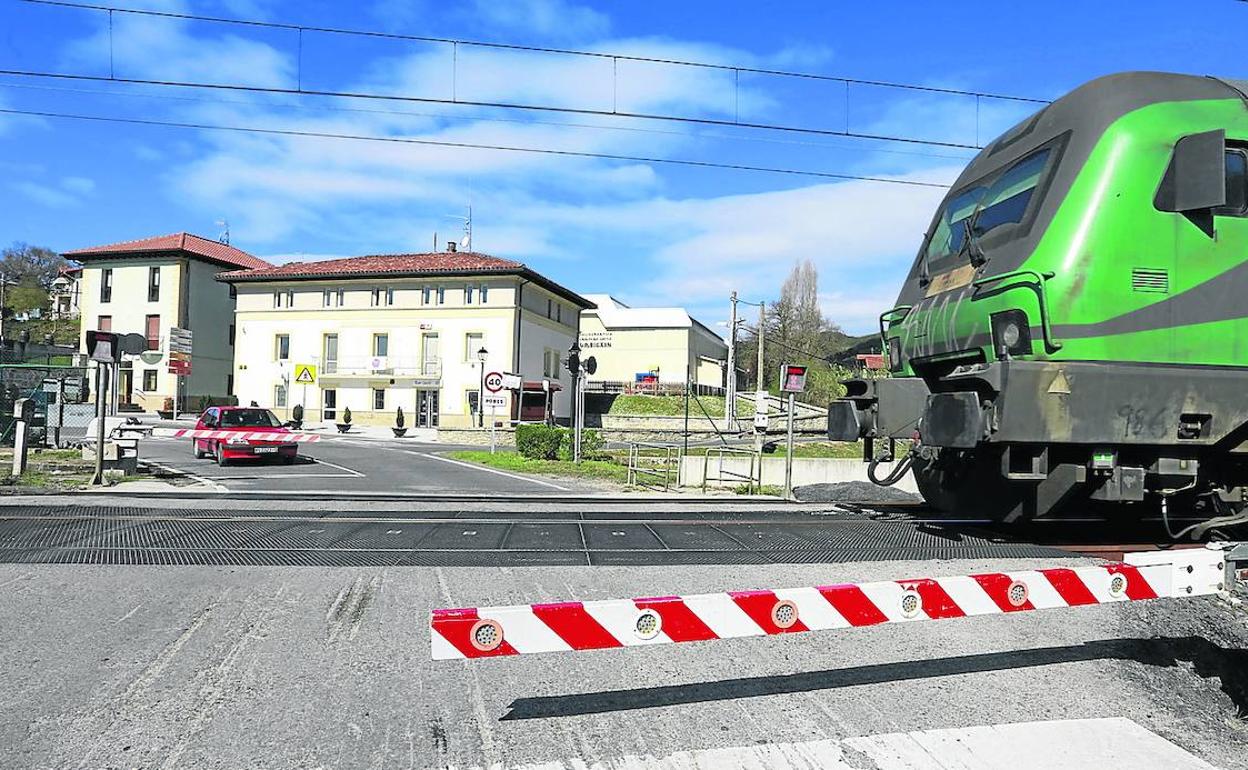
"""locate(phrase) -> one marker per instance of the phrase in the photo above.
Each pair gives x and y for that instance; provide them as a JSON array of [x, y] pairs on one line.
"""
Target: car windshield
[[998, 199], [249, 418]]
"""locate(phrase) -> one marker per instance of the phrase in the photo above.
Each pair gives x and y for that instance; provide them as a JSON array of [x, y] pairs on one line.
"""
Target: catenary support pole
[[730, 381]]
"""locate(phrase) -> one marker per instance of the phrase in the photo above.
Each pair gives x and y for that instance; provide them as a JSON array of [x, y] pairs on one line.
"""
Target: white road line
[[355, 473], [476, 467]]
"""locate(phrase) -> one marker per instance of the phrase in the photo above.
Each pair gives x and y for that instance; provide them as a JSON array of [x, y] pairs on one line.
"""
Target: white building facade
[[658, 345], [151, 285], [403, 331]]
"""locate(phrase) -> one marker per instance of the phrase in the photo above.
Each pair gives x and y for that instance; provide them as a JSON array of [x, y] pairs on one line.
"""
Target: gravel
[[853, 492]]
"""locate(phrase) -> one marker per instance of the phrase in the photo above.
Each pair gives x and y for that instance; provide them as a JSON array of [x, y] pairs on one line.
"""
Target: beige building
[[151, 285], [664, 343], [403, 330]]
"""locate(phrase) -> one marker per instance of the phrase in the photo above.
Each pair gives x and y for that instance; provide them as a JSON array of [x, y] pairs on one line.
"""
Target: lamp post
[[482, 354], [574, 368]]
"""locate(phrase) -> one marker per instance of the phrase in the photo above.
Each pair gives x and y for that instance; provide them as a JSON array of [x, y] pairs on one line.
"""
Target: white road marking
[[319, 461], [1072, 744], [476, 467]]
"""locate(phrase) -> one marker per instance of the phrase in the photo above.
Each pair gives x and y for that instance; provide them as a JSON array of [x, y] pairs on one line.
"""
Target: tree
[[31, 265]]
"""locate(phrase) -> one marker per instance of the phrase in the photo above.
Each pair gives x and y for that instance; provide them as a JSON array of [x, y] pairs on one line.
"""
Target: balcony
[[389, 366]]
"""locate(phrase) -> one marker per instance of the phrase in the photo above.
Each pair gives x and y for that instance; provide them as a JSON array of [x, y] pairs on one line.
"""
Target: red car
[[242, 420]]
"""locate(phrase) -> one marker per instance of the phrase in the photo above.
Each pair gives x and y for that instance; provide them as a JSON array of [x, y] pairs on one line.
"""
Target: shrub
[[398, 417], [346, 416], [592, 444], [538, 442]]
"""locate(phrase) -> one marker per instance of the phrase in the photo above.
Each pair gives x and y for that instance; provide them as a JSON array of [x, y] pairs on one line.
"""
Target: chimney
[[450, 245]]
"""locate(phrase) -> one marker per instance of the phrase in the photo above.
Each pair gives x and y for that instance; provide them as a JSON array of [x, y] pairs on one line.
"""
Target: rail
[[752, 484], [643, 474], [1050, 343]]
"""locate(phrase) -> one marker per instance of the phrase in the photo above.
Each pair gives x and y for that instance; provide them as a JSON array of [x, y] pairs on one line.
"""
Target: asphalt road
[[353, 466]]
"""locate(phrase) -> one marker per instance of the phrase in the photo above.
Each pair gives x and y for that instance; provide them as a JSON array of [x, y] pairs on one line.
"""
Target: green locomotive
[[1075, 326]]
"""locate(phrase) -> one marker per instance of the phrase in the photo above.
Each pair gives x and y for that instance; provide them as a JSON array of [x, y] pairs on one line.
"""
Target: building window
[[426, 295], [329, 404], [470, 398], [549, 308], [559, 312], [149, 380], [467, 295], [153, 332], [231, 334], [485, 294], [281, 347], [473, 341], [441, 295], [104, 323], [340, 297], [325, 298], [381, 345], [106, 285], [229, 384], [277, 299], [153, 284], [376, 298], [379, 399], [233, 291], [290, 299], [279, 395], [389, 296], [329, 354]]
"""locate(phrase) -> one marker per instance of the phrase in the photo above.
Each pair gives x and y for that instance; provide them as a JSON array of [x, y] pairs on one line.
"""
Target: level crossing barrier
[[482, 632]]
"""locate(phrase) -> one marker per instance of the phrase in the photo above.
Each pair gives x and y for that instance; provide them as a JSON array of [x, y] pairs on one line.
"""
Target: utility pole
[[760, 391], [762, 333], [730, 384]]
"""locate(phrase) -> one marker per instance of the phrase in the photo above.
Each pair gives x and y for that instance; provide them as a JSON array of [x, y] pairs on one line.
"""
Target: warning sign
[[305, 374]]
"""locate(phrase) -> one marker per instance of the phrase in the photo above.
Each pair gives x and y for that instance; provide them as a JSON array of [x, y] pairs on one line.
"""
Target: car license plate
[[264, 450]]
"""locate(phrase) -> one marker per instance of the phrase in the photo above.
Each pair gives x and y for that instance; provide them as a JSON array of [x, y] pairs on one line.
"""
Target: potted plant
[[399, 429], [166, 412], [296, 417], [345, 425]]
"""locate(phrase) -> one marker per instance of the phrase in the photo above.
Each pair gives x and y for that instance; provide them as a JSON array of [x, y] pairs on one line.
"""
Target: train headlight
[[894, 354], [1011, 333]]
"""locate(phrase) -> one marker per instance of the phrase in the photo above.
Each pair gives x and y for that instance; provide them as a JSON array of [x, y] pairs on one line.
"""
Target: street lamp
[[482, 354]]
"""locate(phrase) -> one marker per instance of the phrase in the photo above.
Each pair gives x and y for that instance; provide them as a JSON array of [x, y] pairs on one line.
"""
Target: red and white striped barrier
[[274, 436], [483, 632]]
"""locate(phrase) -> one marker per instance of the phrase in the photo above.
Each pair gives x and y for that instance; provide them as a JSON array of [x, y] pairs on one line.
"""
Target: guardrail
[[648, 476], [753, 481]]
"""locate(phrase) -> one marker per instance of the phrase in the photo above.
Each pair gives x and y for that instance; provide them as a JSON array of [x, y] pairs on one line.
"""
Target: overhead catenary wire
[[471, 145], [455, 99], [473, 118]]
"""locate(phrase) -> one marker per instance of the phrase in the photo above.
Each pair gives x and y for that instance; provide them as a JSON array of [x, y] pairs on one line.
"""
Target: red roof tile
[[210, 251], [440, 262]]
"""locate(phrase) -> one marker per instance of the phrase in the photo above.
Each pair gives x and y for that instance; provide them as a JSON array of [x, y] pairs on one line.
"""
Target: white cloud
[[78, 185], [44, 195], [548, 19]]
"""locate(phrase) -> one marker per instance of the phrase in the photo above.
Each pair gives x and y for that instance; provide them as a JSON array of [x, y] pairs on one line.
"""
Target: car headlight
[[1011, 333], [237, 441], [894, 354]]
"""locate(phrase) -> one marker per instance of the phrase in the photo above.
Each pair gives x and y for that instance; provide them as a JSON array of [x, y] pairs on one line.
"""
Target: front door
[[125, 386], [426, 408]]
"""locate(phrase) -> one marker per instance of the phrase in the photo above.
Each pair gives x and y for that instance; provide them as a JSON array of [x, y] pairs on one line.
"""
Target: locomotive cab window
[[1236, 184]]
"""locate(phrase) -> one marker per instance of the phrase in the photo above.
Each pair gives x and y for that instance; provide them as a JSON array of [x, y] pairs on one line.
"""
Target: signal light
[[1011, 334]]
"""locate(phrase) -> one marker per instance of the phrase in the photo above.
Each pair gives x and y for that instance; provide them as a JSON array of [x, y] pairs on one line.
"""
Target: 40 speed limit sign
[[494, 382]]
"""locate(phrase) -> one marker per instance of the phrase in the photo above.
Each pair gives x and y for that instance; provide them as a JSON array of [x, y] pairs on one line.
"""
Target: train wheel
[[968, 485]]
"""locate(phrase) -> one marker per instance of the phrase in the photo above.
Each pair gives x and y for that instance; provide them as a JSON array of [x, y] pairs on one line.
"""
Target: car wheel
[[288, 460], [221, 461], [199, 453]]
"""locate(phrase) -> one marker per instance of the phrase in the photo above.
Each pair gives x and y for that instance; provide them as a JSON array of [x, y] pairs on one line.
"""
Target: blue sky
[[647, 233]]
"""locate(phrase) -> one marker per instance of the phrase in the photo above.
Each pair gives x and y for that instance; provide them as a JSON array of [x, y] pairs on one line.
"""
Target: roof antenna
[[465, 243], [435, 241], [224, 237]]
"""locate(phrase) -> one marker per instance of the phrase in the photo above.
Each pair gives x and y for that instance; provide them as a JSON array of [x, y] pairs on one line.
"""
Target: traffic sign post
[[305, 375], [792, 381], [180, 344], [494, 402]]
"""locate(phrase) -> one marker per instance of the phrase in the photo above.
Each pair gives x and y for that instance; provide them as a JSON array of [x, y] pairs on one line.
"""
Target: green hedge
[[543, 442], [538, 442]]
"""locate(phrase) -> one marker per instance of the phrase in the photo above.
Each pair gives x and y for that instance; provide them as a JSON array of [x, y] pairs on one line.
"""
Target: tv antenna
[[224, 237]]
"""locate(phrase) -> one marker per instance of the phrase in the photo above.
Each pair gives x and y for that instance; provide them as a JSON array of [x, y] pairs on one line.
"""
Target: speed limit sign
[[494, 382]]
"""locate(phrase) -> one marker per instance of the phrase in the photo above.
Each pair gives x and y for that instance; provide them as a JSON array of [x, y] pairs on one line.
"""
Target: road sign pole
[[97, 477], [788, 456], [493, 430]]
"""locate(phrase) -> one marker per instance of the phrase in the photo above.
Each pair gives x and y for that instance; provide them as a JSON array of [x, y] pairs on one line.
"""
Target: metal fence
[[629, 387], [722, 476], [654, 466], [60, 397]]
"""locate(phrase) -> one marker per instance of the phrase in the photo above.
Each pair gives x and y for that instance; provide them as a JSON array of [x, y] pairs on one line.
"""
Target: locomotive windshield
[[1000, 198]]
